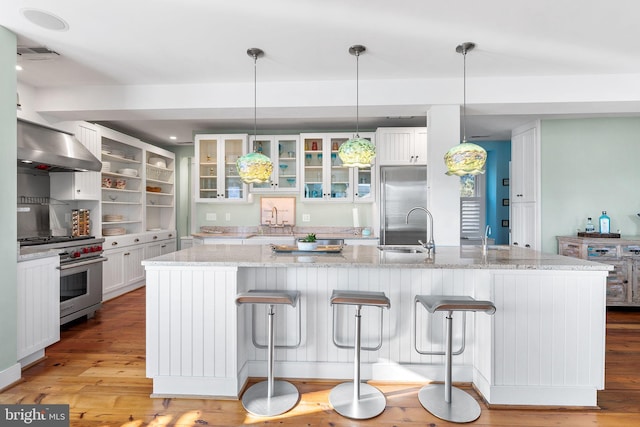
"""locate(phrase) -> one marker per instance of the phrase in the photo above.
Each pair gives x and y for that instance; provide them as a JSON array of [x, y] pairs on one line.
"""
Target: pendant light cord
[[255, 97], [357, 94], [464, 95]]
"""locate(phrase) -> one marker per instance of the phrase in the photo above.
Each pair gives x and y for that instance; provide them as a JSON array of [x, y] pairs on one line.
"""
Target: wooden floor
[[98, 368]]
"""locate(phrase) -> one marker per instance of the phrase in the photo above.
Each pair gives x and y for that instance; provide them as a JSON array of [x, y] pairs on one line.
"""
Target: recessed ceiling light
[[173, 137], [45, 19]]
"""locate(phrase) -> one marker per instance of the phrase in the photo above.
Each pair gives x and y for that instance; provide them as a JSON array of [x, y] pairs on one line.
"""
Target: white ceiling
[[167, 67]]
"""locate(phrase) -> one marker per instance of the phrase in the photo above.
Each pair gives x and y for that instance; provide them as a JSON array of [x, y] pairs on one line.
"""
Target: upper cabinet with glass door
[[324, 177], [283, 152], [217, 177]]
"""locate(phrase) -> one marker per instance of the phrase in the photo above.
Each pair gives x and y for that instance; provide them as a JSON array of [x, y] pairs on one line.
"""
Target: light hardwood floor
[[98, 368]]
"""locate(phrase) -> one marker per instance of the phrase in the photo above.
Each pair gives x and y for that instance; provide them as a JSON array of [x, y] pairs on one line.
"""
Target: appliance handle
[[82, 263]]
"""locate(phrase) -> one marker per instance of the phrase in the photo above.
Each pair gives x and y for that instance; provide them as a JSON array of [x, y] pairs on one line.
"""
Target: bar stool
[[443, 400], [354, 399], [269, 398]]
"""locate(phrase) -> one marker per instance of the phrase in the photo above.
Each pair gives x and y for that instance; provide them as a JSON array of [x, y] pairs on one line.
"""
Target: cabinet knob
[[127, 254], [515, 243], [136, 240], [114, 243], [527, 245], [416, 158], [78, 191], [155, 237]]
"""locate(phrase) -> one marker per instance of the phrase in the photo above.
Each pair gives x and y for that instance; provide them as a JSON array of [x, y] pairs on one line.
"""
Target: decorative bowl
[[307, 246]]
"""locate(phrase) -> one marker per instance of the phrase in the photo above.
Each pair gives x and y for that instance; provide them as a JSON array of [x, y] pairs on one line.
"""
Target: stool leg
[[445, 401], [355, 399], [448, 359], [271, 346], [270, 397], [356, 357]]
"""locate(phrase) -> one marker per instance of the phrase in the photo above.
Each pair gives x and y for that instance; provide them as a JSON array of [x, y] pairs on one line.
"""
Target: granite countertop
[[294, 232], [351, 256]]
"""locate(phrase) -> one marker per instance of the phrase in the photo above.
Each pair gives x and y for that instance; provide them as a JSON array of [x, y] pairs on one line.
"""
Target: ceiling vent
[[38, 53]]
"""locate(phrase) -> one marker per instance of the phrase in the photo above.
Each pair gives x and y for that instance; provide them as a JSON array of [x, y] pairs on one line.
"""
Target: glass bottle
[[605, 223], [590, 228]]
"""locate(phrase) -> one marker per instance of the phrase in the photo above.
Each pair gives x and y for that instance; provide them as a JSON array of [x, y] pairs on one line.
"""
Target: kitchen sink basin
[[402, 249]]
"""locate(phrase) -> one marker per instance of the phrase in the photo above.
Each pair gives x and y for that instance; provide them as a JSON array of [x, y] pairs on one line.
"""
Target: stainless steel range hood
[[51, 150]]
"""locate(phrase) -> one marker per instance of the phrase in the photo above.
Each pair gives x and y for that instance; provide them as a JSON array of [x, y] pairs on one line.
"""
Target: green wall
[[8, 231], [587, 166]]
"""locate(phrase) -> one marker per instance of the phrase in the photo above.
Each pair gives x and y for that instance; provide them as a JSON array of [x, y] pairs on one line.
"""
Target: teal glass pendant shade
[[465, 159], [357, 152], [254, 168]]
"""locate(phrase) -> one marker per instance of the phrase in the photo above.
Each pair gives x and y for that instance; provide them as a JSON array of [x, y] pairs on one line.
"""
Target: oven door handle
[[82, 263]]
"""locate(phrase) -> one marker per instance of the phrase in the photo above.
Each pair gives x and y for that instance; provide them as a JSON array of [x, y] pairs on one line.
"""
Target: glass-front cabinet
[[324, 177], [217, 177], [283, 152]]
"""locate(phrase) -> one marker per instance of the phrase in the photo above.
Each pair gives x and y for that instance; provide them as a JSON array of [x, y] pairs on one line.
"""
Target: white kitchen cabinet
[[525, 164], [524, 230], [324, 177], [38, 307], [79, 185], [401, 146], [283, 152], [524, 184], [123, 271], [75, 185], [217, 178], [160, 244]]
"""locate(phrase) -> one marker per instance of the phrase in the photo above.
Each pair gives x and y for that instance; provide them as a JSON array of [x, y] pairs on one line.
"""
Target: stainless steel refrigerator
[[402, 188]]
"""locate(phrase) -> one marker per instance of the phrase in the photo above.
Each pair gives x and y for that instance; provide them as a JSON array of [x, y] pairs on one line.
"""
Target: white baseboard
[[10, 375]]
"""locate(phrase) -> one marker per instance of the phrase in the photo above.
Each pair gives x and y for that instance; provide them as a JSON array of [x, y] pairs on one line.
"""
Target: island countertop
[[446, 257]]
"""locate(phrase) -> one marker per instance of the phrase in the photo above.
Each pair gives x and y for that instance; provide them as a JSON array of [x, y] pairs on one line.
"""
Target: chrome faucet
[[430, 246], [274, 209], [485, 239]]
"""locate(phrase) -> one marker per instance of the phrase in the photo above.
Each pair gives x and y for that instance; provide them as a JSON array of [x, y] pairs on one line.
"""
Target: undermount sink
[[402, 249]]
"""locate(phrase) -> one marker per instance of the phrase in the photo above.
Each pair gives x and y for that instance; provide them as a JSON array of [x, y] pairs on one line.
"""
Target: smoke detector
[[37, 53]]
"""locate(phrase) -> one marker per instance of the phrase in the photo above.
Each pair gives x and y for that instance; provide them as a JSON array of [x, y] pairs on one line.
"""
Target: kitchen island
[[543, 346]]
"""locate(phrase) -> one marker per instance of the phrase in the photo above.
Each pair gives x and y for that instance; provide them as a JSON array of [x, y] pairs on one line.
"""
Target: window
[[472, 206]]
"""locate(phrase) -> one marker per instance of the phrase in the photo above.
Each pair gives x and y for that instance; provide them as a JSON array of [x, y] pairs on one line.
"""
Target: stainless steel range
[[80, 272]]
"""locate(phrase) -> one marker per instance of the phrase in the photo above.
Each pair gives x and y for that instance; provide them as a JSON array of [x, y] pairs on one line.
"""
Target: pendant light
[[254, 167], [465, 158], [357, 152]]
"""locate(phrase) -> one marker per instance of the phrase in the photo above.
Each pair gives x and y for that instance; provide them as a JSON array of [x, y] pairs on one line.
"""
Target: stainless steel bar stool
[[443, 400], [270, 397], [355, 399]]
